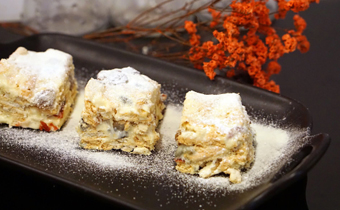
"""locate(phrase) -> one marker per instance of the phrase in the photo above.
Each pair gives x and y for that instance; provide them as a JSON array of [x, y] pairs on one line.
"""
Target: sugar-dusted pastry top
[[36, 76], [38, 89], [212, 114], [214, 136], [125, 92]]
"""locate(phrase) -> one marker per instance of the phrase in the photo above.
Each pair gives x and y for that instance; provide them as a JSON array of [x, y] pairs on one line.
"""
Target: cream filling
[[106, 127], [22, 115], [136, 138], [31, 117]]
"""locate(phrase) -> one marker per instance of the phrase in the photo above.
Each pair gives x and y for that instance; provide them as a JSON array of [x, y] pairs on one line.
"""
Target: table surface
[[307, 78]]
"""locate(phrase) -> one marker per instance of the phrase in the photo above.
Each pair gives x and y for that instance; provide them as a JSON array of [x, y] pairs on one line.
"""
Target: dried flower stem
[[19, 28], [229, 49]]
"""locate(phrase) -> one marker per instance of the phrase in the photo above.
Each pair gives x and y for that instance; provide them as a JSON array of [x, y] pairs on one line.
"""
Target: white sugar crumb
[[44, 98], [274, 146], [112, 77]]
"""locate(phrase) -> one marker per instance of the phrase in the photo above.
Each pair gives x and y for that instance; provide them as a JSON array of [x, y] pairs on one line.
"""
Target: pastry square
[[37, 89], [214, 136], [122, 111]]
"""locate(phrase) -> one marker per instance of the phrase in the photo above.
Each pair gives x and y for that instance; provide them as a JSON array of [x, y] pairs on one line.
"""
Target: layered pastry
[[122, 111], [214, 136], [37, 89]]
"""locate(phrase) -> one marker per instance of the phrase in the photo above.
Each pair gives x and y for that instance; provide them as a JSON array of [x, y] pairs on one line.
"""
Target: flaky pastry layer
[[32, 97], [214, 136], [122, 111]]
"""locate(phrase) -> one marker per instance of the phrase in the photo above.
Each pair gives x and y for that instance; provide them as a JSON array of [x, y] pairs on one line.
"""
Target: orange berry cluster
[[232, 51]]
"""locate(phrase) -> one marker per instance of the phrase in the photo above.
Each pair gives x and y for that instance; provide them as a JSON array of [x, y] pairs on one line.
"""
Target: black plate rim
[[320, 144]]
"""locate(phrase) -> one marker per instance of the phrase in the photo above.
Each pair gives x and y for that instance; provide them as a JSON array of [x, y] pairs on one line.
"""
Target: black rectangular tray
[[94, 56]]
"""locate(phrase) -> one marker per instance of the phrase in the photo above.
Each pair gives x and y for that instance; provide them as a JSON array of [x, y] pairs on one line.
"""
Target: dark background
[[312, 79]]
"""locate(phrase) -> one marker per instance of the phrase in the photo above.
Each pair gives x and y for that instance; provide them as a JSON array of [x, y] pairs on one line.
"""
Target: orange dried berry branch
[[243, 37], [235, 52]]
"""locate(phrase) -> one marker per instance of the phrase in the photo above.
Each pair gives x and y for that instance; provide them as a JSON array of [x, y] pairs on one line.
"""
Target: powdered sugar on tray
[[64, 143], [274, 145], [108, 170]]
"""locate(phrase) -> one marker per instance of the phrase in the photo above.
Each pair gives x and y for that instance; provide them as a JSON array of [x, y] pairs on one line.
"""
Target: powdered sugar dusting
[[49, 65], [229, 100], [112, 77], [130, 83], [44, 98], [270, 147], [227, 111], [38, 74], [131, 176], [64, 143], [125, 90]]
